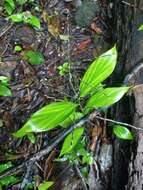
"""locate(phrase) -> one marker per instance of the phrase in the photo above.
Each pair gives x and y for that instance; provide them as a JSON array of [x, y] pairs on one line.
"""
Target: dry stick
[[26, 176], [81, 177], [6, 29], [40, 155], [119, 123]]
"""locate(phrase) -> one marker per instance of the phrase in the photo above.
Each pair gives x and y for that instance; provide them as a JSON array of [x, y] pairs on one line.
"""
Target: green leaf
[[122, 132], [63, 69], [17, 48], [87, 159], [4, 80], [98, 71], [75, 116], [106, 97], [33, 20], [16, 17], [71, 140], [26, 17], [47, 118], [31, 137], [9, 6], [34, 57], [5, 91], [9, 180], [45, 185], [6, 166], [21, 2], [141, 28]]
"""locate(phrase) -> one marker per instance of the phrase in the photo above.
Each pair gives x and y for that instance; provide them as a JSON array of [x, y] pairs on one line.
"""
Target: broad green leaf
[[47, 118], [6, 166], [71, 140], [106, 97], [45, 185], [122, 132], [71, 119], [34, 58], [16, 17], [141, 28], [9, 6], [5, 91], [9, 180], [98, 71]]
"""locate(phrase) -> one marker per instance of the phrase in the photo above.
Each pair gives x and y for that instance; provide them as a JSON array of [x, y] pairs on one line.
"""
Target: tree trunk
[[128, 157]]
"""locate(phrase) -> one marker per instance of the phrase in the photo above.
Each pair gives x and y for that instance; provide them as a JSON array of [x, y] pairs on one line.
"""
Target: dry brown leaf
[[95, 28]]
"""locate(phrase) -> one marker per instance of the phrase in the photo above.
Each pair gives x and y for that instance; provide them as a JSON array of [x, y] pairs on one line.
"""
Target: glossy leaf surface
[[47, 118], [71, 119], [9, 6], [45, 185], [98, 71], [122, 132], [5, 91], [71, 140], [106, 97]]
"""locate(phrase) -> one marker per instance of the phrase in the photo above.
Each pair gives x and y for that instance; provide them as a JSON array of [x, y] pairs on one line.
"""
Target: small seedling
[[26, 17], [17, 48], [64, 69]]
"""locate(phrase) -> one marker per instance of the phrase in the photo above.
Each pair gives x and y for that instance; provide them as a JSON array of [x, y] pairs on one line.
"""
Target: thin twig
[[6, 29], [131, 5], [27, 175], [81, 177], [119, 123]]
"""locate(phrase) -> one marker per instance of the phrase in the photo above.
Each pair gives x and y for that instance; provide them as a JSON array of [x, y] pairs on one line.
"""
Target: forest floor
[[67, 35]]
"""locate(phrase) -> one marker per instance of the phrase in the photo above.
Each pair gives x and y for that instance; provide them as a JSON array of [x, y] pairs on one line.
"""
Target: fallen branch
[[40, 155]]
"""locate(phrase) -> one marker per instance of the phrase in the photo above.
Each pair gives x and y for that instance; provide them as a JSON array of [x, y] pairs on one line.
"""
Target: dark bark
[[127, 170]]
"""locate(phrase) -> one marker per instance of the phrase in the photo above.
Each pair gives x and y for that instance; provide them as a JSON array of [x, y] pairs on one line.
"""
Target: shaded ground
[[35, 86]]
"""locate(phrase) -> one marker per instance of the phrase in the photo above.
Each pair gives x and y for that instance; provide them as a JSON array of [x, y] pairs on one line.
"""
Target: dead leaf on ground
[[53, 22], [96, 28], [83, 45]]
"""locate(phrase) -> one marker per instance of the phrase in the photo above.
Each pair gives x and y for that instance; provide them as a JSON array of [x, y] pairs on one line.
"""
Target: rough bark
[[128, 171]]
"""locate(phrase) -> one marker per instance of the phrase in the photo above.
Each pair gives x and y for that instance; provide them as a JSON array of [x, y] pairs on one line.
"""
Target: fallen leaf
[[95, 28], [83, 45], [54, 26]]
